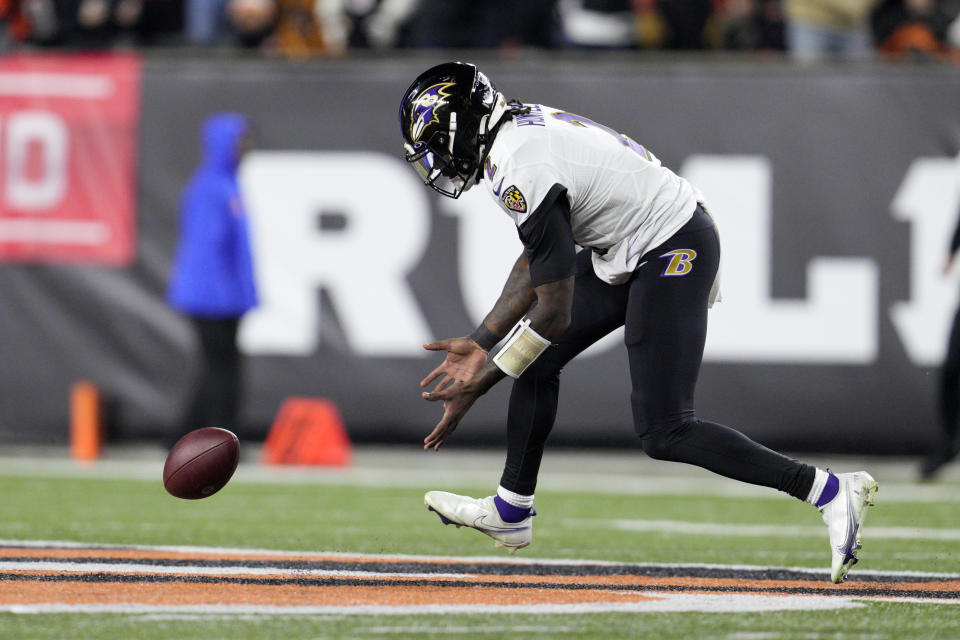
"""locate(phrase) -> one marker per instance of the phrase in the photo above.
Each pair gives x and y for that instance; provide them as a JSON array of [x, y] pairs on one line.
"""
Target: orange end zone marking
[[51, 575], [167, 594]]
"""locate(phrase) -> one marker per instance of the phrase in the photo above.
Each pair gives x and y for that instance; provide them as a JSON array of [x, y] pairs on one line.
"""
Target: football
[[201, 463]]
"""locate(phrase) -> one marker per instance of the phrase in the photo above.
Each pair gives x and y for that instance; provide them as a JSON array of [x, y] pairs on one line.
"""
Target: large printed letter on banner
[[363, 265], [928, 199], [836, 322], [68, 159]]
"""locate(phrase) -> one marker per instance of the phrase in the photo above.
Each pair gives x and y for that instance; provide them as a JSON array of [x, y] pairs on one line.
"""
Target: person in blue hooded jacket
[[212, 281]]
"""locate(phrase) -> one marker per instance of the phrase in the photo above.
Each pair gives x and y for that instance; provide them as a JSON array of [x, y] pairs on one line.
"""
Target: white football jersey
[[623, 202]]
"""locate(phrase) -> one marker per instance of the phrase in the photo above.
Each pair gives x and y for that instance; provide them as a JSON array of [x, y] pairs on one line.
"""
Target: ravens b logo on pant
[[681, 262]]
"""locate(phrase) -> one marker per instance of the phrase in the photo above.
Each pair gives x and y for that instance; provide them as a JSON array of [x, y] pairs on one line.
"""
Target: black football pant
[[216, 392], [664, 309]]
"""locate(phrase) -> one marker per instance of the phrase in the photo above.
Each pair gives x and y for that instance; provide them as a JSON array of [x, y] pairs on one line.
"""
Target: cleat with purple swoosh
[[481, 514], [844, 516]]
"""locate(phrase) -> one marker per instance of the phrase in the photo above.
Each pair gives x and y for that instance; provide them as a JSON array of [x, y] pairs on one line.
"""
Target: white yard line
[[659, 602], [757, 530]]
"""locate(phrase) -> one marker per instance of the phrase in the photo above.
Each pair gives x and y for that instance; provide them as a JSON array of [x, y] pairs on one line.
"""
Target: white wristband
[[523, 346]]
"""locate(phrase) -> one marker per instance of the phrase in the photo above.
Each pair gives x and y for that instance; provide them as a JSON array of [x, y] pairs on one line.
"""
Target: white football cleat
[[844, 517], [481, 514]]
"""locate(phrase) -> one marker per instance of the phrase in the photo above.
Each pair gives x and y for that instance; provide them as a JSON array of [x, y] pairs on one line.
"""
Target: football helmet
[[448, 118]]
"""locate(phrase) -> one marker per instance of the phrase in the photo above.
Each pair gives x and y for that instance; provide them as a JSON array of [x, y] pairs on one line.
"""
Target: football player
[[946, 447], [648, 261]]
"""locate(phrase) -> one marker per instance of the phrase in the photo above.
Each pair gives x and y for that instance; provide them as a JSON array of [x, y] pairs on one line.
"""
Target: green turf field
[[340, 514]]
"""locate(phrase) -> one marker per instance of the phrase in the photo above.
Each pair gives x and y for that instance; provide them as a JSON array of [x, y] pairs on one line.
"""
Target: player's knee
[[660, 440], [657, 447]]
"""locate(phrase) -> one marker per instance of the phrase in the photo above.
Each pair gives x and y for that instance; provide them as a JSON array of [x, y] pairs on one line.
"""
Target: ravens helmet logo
[[424, 111]]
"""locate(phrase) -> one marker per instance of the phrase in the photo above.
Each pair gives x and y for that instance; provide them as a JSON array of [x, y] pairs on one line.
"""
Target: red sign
[[68, 158]]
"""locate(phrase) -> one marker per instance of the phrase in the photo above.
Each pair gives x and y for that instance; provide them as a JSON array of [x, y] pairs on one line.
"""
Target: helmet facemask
[[441, 163]]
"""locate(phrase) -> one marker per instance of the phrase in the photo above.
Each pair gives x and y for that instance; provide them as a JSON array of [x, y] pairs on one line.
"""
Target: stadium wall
[[835, 191]]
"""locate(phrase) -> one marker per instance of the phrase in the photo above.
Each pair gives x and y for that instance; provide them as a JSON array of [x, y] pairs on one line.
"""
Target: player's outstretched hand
[[457, 399], [464, 359]]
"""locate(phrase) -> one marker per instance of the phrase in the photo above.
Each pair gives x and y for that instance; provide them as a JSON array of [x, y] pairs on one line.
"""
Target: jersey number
[[625, 140]]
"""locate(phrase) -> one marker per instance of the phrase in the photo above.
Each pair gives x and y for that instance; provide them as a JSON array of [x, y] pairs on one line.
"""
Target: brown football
[[201, 463]]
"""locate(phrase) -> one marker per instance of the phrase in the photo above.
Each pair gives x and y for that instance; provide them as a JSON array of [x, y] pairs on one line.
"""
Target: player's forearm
[[488, 375], [514, 301], [544, 324], [551, 315]]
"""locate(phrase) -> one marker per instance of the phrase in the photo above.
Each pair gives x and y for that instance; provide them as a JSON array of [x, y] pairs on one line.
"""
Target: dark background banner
[[849, 171]]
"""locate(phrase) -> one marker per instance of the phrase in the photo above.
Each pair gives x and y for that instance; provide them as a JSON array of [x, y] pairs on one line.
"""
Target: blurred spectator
[[953, 30], [363, 24], [685, 21], [752, 25], [297, 33], [504, 24], [818, 30], [42, 20], [532, 23], [289, 28], [457, 24], [99, 23], [212, 280], [161, 22], [206, 22], [253, 21], [599, 24], [84, 24], [811, 30], [912, 28], [13, 26]]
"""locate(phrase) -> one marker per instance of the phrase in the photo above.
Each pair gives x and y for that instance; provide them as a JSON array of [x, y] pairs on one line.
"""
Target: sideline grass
[[877, 621], [393, 520]]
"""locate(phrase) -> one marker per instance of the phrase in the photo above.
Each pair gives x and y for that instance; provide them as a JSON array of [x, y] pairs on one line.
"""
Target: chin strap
[[501, 113]]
